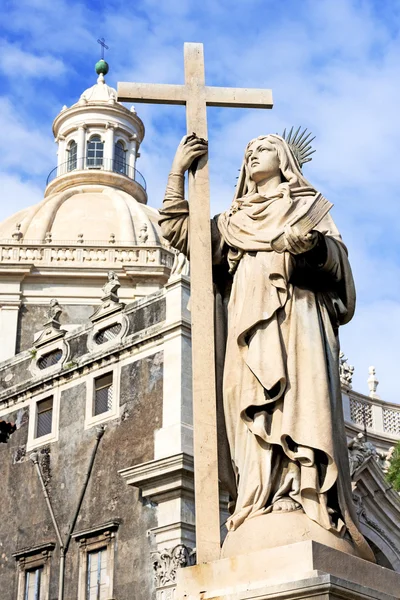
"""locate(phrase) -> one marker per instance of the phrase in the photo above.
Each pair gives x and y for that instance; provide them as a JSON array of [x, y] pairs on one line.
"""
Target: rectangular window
[[44, 416], [32, 584], [103, 394], [97, 578]]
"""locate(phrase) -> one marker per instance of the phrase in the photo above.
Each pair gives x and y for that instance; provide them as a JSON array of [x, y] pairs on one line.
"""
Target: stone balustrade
[[76, 253], [377, 416]]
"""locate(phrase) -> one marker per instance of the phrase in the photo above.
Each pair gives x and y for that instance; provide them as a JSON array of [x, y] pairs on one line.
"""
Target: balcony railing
[[97, 164]]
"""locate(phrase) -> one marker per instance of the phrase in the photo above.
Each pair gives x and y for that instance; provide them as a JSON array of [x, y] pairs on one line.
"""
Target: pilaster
[[132, 151], [176, 434], [81, 146], [109, 143], [61, 153]]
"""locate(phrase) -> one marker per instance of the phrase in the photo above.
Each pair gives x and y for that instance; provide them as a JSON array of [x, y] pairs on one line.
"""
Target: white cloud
[[28, 149], [16, 62], [17, 194]]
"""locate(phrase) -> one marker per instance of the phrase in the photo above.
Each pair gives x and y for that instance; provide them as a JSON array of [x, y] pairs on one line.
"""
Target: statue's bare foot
[[285, 504]]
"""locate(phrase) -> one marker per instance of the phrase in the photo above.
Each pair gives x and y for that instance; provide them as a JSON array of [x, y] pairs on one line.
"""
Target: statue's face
[[262, 160]]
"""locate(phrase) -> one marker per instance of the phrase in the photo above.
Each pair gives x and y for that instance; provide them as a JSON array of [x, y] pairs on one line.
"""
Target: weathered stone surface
[[146, 316], [127, 440], [302, 570], [32, 317]]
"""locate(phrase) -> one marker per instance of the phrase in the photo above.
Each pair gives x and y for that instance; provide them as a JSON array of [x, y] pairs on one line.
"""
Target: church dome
[[93, 219], [99, 92], [82, 215]]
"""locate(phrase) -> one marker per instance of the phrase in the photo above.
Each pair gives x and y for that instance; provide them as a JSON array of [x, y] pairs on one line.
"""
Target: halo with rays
[[300, 143]]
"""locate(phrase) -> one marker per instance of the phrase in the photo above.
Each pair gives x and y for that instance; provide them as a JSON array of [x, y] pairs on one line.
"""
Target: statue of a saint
[[277, 320]]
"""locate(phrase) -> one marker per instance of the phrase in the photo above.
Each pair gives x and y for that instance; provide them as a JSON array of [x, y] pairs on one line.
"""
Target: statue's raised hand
[[190, 148], [297, 243]]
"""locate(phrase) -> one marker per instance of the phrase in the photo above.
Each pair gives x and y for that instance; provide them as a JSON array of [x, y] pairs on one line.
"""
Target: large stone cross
[[197, 96]]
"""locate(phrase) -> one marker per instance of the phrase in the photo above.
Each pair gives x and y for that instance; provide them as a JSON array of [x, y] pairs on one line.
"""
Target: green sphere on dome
[[102, 67]]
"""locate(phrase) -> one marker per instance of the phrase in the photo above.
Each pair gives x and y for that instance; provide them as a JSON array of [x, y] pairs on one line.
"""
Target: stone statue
[[143, 234], [278, 310], [110, 289], [359, 450], [55, 310], [346, 372]]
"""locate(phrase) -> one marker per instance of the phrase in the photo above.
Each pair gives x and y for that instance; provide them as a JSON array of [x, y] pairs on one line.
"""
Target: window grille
[[97, 578], [72, 156], [120, 158], [49, 359], [44, 418], [95, 152], [32, 584], [103, 394], [108, 333]]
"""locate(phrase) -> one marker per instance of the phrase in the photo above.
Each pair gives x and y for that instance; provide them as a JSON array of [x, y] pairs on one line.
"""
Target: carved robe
[[281, 389]]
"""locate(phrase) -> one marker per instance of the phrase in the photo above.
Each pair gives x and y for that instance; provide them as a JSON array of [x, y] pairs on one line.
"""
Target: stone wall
[[32, 317], [24, 517], [128, 439]]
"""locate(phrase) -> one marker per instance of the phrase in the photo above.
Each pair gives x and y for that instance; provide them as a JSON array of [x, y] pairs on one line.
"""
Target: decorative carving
[[54, 312], [143, 234], [52, 327], [360, 449], [48, 238], [363, 516], [166, 563], [110, 301], [80, 238], [21, 252], [110, 289], [346, 372], [372, 383], [17, 234], [387, 459], [112, 238]]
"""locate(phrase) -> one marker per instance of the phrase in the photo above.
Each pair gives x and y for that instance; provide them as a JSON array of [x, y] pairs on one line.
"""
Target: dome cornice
[[77, 178], [110, 111]]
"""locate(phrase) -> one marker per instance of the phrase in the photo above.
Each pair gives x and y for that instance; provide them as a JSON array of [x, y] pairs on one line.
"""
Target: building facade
[[95, 384]]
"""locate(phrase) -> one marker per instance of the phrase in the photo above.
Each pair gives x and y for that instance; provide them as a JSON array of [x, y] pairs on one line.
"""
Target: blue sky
[[333, 66]]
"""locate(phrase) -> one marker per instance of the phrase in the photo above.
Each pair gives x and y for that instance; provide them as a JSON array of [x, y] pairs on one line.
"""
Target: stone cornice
[[163, 478], [67, 373], [97, 176], [115, 110]]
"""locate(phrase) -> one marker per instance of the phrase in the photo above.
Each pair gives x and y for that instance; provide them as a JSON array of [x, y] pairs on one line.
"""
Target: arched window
[[95, 152], [72, 156], [120, 165]]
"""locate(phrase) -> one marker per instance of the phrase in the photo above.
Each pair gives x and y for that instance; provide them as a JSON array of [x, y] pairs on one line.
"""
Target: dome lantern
[[98, 141]]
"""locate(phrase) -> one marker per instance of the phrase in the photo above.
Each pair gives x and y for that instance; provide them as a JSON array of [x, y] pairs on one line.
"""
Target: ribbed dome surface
[[100, 92], [86, 213]]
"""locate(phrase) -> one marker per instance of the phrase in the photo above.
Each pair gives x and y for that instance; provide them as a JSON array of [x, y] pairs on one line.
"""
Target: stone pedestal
[[304, 570]]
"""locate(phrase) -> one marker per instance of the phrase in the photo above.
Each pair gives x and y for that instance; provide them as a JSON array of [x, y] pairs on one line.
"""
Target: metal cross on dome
[[103, 45]]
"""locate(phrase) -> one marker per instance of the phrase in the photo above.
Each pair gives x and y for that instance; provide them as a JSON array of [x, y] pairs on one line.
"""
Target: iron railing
[[97, 164]]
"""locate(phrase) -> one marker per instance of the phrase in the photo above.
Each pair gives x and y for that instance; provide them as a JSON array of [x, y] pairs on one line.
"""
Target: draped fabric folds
[[277, 319]]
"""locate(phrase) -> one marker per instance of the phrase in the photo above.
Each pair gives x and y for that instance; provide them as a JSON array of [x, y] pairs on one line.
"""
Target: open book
[[306, 219]]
